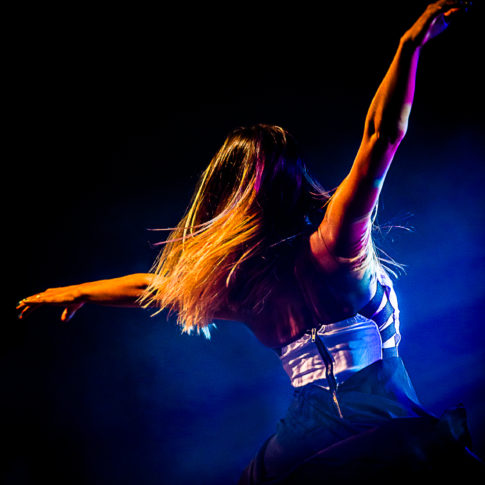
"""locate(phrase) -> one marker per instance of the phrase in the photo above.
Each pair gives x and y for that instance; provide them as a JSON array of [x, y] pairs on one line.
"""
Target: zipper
[[329, 374]]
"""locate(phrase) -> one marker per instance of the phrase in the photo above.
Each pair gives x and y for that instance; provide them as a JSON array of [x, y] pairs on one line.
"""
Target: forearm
[[388, 114], [124, 291], [386, 122], [348, 216]]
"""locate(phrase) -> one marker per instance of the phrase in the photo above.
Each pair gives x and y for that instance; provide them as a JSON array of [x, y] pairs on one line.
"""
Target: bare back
[[311, 292]]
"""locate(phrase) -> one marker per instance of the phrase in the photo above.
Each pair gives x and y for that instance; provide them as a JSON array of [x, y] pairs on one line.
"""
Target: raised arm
[[344, 231], [124, 291]]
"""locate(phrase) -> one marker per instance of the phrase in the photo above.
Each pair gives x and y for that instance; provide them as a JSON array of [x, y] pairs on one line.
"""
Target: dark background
[[115, 114]]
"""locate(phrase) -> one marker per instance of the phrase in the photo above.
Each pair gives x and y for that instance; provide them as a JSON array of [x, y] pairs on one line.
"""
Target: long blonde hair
[[255, 194]]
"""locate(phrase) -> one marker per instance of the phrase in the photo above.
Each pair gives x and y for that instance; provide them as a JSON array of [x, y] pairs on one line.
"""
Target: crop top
[[329, 354]]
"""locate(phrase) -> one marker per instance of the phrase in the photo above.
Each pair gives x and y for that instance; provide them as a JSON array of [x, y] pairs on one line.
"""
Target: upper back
[[303, 294]]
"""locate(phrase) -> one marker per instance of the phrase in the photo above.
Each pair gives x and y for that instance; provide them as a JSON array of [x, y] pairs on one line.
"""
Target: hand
[[434, 20], [69, 297]]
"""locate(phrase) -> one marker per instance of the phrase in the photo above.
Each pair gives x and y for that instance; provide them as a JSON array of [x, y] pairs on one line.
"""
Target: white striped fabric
[[353, 343]]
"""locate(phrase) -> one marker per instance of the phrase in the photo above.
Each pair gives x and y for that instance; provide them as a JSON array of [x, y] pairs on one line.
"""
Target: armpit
[[361, 254]]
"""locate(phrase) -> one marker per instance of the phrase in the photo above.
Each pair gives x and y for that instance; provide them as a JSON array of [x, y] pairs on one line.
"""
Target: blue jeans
[[369, 399]]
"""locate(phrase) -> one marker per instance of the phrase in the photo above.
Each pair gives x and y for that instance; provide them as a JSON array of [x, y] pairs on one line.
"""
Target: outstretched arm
[[344, 231], [123, 291]]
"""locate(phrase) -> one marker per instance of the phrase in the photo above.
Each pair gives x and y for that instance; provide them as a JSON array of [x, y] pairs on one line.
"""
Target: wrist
[[142, 280], [409, 44], [82, 293]]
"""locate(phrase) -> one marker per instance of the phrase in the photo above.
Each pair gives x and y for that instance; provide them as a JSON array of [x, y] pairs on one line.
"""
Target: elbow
[[391, 136], [388, 134]]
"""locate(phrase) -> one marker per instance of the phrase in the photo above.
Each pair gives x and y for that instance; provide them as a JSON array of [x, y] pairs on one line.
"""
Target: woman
[[264, 244]]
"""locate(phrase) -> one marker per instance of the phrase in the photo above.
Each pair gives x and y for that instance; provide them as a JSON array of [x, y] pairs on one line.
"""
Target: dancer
[[264, 244]]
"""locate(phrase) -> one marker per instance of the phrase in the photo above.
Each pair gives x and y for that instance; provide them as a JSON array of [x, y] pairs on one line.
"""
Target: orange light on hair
[[254, 193]]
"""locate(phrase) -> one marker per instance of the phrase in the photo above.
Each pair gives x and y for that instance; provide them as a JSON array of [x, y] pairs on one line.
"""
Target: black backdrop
[[116, 111]]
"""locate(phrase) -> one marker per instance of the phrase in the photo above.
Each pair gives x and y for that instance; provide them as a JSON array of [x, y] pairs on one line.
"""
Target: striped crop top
[[329, 354]]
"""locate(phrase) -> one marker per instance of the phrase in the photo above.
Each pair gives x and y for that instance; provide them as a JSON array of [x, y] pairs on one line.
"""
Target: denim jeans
[[371, 397]]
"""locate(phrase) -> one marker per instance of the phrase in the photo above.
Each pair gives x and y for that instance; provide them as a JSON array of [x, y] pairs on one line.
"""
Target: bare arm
[[344, 230], [124, 291]]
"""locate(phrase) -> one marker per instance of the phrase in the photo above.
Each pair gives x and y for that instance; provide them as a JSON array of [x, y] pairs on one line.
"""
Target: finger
[[455, 11], [65, 315], [20, 304], [69, 312], [451, 12], [26, 311], [32, 300], [52, 297]]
